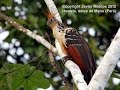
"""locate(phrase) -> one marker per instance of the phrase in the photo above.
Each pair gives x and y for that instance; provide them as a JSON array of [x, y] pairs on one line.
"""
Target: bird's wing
[[79, 50]]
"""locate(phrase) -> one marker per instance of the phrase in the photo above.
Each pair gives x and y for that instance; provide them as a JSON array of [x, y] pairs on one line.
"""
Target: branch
[[107, 65], [71, 66], [57, 67], [58, 70], [38, 38]]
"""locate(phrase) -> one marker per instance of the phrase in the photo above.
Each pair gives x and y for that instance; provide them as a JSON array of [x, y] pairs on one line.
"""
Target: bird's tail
[[88, 75]]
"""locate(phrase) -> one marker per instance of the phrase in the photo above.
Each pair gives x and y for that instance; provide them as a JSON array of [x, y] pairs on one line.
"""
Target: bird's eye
[[51, 19]]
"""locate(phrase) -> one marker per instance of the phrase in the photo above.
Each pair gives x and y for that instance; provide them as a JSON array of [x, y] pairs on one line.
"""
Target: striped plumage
[[74, 46], [79, 50]]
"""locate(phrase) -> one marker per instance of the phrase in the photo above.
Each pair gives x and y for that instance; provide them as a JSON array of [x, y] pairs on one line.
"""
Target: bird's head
[[52, 21]]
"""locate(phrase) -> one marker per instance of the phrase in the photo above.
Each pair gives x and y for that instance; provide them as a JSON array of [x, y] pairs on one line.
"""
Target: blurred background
[[98, 29]]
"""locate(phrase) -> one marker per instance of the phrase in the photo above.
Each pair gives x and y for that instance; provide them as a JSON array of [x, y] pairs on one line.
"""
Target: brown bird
[[73, 45]]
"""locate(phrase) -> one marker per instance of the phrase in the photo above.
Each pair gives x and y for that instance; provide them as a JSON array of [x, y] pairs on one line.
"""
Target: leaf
[[20, 21], [6, 2], [38, 77], [23, 76]]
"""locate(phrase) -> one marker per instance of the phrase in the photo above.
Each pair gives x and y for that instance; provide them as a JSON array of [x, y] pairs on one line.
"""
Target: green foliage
[[6, 2], [16, 76], [87, 1], [103, 23], [96, 51], [107, 2], [33, 21], [112, 86]]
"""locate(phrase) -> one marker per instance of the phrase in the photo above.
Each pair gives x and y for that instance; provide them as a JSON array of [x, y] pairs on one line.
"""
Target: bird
[[73, 45]]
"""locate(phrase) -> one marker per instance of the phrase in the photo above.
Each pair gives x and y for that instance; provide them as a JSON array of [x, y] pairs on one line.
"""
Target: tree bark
[[107, 65], [104, 70]]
